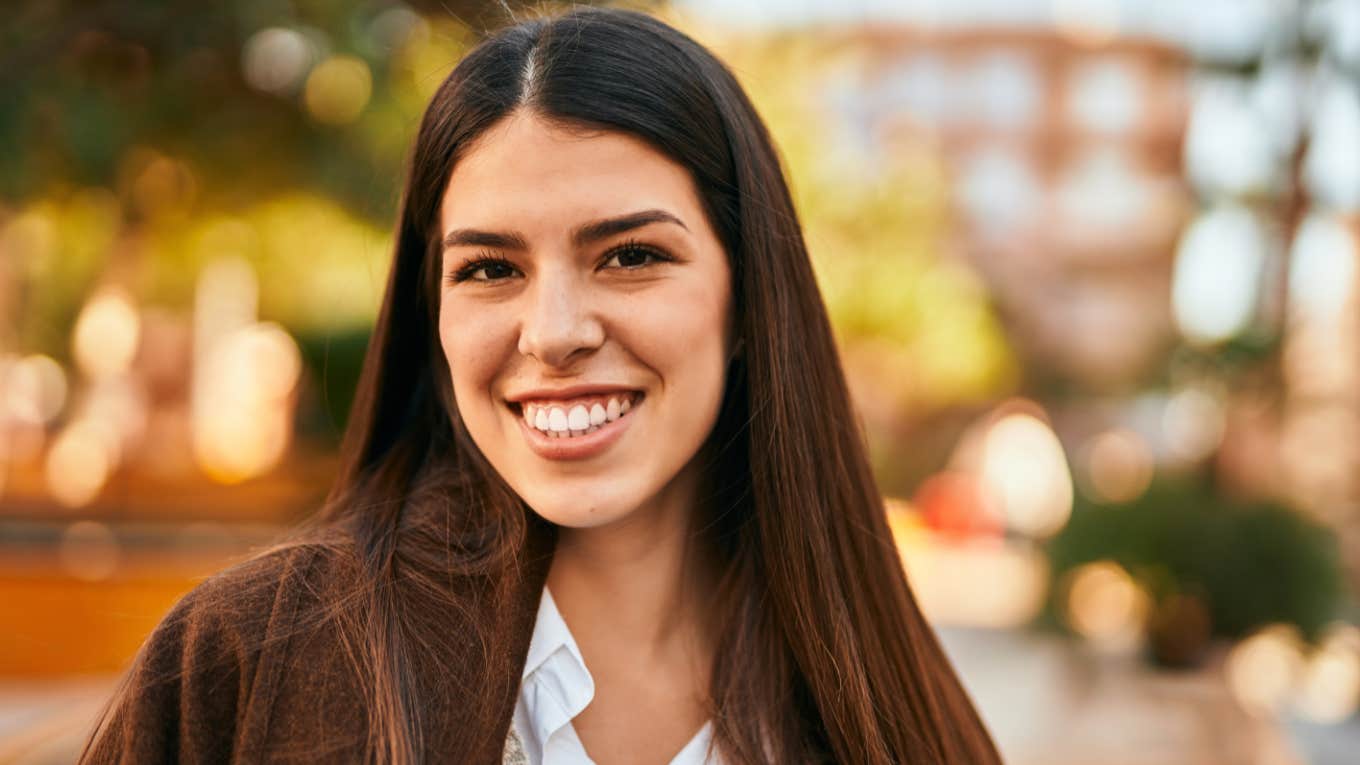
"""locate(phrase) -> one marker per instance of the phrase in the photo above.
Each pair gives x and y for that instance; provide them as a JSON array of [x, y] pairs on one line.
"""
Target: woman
[[602, 392]]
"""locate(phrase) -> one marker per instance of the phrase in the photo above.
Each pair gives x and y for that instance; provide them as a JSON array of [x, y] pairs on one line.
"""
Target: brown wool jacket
[[237, 671]]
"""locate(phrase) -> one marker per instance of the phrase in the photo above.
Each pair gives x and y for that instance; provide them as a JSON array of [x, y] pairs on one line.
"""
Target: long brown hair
[[823, 654]]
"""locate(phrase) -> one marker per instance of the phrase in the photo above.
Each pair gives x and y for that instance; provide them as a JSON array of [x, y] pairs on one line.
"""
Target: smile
[[578, 416], [576, 428]]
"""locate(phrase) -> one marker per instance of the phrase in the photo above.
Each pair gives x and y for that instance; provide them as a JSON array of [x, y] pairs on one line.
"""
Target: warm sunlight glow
[[1119, 465], [106, 334], [1263, 668], [1025, 471], [1105, 605]]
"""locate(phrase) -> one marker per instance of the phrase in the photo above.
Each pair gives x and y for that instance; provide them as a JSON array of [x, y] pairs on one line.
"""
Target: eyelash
[[486, 259]]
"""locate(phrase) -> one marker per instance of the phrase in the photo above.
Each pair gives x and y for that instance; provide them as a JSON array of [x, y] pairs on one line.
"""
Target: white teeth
[[578, 418], [557, 419]]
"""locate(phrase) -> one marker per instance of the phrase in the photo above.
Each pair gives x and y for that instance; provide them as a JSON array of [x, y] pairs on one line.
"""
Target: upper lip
[[571, 391]]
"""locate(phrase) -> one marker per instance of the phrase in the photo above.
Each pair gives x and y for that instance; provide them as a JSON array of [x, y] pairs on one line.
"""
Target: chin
[[580, 509], [577, 515]]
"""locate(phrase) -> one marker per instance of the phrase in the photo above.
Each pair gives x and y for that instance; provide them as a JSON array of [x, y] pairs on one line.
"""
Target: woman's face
[[585, 315]]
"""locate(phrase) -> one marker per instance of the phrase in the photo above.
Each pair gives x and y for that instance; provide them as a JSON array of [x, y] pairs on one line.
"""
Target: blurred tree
[[238, 91], [1251, 563]]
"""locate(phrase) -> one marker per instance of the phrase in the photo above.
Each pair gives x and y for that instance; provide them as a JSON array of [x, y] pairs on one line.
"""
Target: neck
[[637, 584]]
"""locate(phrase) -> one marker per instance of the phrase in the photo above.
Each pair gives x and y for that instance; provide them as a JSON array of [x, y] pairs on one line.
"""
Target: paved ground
[[45, 723], [1046, 700]]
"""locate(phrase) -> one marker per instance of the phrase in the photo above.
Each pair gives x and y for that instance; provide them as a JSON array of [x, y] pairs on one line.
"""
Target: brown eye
[[493, 271], [484, 269], [632, 257]]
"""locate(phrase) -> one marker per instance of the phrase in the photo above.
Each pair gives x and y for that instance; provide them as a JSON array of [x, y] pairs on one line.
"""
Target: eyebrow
[[583, 235]]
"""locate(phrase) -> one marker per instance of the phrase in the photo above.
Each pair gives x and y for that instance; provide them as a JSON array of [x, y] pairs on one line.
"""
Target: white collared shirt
[[556, 687]]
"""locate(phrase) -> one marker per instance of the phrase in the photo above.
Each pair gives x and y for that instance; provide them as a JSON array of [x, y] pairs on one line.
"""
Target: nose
[[560, 324]]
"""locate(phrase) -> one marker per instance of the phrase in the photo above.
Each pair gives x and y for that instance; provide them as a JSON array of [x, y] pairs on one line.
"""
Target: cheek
[[472, 348], [698, 321], [682, 336]]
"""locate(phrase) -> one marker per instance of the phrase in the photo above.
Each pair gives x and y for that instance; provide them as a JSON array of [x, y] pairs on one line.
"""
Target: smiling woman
[[602, 460], [585, 304]]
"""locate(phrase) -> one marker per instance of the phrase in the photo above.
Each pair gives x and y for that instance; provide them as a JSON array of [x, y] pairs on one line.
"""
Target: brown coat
[[238, 672]]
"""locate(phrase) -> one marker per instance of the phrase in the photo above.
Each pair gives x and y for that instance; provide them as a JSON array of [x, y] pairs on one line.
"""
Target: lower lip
[[576, 447]]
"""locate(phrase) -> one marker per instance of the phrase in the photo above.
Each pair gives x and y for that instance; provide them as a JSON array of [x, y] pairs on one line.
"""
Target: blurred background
[[1094, 266]]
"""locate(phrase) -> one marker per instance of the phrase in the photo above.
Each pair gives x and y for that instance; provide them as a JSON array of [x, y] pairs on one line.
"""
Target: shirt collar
[[550, 634], [555, 687]]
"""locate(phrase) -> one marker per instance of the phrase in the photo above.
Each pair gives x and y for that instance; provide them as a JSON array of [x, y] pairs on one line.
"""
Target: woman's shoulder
[[266, 575], [256, 598], [205, 681]]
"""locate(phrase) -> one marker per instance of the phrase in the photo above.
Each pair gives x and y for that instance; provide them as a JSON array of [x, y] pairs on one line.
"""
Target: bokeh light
[[975, 583], [952, 502], [1329, 682], [1262, 669], [1228, 146], [106, 334], [1332, 166], [1024, 470], [29, 237], [35, 388], [242, 412], [1193, 423], [226, 299], [160, 185], [1119, 465], [1219, 266], [338, 89], [1322, 271], [80, 462], [276, 59], [1106, 606]]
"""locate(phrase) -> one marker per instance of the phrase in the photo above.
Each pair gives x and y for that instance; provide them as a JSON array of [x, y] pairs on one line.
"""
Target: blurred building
[[1160, 197], [1068, 193]]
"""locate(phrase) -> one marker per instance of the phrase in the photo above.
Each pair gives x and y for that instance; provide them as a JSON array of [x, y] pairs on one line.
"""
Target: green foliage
[[1254, 563], [82, 84]]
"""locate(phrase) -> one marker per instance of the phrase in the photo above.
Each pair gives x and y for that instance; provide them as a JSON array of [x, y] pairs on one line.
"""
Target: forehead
[[526, 170]]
